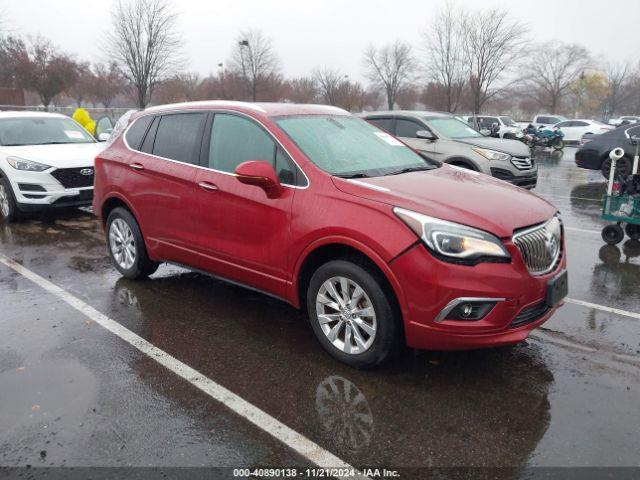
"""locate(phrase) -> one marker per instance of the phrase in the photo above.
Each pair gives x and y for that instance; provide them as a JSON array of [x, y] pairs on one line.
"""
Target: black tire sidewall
[[388, 328], [142, 265], [14, 212], [619, 234]]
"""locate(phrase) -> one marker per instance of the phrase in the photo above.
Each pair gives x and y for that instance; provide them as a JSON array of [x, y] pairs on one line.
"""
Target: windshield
[[346, 146], [509, 121], [450, 127], [41, 131]]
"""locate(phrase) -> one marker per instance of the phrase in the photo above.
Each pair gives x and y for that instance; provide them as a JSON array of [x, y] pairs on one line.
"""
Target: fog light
[[466, 310]]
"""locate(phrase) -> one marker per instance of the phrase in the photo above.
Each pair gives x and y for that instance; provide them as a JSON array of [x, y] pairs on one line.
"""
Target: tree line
[[468, 61]]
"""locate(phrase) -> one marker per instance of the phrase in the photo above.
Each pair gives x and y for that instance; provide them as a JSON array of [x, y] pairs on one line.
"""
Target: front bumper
[[35, 191], [429, 285], [527, 179], [588, 158]]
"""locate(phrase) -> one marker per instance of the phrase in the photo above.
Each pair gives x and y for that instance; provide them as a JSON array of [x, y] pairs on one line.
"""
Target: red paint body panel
[[236, 232]]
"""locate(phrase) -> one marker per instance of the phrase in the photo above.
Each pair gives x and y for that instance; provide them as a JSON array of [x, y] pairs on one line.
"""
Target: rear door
[[242, 234], [166, 169]]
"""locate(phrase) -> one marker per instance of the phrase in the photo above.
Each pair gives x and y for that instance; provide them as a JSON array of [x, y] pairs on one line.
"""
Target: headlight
[[29, 165], [491, 154], [453, 241]]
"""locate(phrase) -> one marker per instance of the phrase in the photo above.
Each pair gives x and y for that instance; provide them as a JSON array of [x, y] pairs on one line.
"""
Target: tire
[[131, 259], [378, 340], [558, 144], [8, 206], [632, 231], [612, 234], [623, 168]]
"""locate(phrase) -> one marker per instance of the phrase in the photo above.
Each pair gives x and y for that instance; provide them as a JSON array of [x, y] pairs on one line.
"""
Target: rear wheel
[[612, 234], [623, 168], [351, 315], [558, 144], [126, 245], [8, 206]]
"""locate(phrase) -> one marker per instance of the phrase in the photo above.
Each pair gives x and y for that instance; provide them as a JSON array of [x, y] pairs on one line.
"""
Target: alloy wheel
[[122, 243], [346, 315], [4, 201]]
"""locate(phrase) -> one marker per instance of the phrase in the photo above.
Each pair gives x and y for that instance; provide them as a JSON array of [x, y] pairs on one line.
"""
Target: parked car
[[594, 155], [449, 140], [46, 160], [575, 129], [506, 126], [626, 119], [546, 120], [335, 216]]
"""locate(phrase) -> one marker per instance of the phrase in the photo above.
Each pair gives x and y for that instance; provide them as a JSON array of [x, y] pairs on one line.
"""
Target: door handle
[[208, 186], [137, 166]]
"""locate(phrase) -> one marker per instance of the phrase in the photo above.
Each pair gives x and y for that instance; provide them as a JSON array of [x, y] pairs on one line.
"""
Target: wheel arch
[[322, 251], [462, 162]]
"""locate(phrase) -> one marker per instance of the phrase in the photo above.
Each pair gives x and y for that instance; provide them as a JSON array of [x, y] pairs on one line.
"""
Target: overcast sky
[[311, 33]]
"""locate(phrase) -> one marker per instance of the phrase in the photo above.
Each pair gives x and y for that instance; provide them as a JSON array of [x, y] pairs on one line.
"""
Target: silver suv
[[443, 137]]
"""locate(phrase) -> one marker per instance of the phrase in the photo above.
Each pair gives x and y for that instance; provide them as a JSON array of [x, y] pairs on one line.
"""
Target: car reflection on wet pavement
[[565, 397]]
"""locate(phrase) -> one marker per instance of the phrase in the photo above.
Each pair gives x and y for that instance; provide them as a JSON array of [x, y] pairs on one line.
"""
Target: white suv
[[46, 160]]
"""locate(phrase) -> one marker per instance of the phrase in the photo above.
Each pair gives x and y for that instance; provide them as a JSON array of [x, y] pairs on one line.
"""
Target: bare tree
[[145, 44], [493, 43], [445, 64], [108, 83], [617, 74], [390, 67], [81, 89], [329, 81], [254, 58], [302, 90], [555, 67]]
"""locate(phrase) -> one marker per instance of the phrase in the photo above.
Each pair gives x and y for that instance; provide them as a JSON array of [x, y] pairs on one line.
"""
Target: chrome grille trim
[[536, 246], [522, 163]]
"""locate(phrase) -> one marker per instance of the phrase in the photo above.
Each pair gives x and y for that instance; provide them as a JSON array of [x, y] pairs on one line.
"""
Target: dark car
[[594, 155]]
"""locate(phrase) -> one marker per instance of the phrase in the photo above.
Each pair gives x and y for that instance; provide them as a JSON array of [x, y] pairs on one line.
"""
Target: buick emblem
[[86, 171]]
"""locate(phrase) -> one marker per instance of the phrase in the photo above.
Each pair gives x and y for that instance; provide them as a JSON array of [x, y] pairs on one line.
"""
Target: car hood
[[67, 155], [458, 195], [514, 148]]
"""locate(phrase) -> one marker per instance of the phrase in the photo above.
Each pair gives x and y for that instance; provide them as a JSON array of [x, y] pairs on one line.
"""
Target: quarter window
[[136, 132], [179, 137]]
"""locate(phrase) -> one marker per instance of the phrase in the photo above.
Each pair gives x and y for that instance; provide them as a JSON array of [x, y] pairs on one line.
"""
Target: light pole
[[243, 44]]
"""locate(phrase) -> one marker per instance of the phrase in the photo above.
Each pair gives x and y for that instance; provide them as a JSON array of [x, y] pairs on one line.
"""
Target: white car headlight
[[453, 241], [28, 165], [491, 154]]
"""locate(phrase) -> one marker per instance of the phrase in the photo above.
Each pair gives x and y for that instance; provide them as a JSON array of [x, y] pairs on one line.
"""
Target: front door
[[406, 130], [242, 234]]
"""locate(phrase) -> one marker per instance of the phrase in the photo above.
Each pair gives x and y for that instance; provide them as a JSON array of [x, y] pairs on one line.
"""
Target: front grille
[[73, 178], [522, 163], [525, 181], [530, 314], [541, 246]]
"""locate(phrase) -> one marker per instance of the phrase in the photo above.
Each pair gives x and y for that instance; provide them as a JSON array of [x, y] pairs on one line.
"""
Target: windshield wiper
[[411, 169], [354, 175]]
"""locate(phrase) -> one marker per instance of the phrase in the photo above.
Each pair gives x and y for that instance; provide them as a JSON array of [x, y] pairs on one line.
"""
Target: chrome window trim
[[168, 112], [457, 301], [554, 263]]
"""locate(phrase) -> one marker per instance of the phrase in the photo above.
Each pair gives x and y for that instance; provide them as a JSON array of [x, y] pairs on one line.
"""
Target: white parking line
[[604, 308], [583, 230], [292, 439]]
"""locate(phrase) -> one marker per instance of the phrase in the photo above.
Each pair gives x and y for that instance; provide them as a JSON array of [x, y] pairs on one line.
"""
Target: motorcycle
[[544, 137]]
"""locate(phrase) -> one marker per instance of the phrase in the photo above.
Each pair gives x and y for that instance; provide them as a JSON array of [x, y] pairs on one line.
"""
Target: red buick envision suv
[[307, 203]]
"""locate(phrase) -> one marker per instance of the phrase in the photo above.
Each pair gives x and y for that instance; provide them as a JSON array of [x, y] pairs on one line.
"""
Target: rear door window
[[147, 143], [179, 137], [385, 124]]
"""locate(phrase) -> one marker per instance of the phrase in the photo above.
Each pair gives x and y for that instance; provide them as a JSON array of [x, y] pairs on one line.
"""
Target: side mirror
[[260, 174], [425, 135], [103, 137]]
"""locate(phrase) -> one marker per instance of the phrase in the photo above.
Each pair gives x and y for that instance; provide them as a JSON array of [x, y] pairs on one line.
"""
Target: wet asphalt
[[73, 394]]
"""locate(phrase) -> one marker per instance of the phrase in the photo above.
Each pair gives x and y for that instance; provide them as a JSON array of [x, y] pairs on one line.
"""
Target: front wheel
[[612, 234], [8, 206], [351, 315], [126, 246]]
